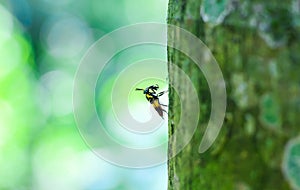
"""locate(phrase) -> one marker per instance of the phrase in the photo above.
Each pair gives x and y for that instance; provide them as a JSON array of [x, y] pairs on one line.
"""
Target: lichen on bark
[[257, 47]]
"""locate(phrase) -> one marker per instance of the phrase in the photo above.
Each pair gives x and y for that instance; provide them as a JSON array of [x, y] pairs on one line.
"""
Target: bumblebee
[[153, 98]]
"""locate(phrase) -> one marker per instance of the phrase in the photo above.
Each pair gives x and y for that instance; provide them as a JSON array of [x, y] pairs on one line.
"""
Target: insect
[[153, 98]]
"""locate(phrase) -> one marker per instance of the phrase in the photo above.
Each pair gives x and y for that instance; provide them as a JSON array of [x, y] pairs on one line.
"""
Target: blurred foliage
[[41, 44]]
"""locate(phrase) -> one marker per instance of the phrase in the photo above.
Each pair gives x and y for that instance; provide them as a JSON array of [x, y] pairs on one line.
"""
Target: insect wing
[[158, 107]]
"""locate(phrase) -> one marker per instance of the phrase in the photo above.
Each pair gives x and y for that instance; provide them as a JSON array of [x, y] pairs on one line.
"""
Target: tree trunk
[[256, 44]]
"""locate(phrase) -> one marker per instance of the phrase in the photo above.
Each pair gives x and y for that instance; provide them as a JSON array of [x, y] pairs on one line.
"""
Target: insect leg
[[162, 93]]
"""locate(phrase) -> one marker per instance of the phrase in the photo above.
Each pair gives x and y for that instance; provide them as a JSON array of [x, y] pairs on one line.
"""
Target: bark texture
[[257, 45]]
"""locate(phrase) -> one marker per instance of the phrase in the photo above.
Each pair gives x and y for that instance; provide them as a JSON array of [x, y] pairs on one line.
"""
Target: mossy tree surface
[[257, 45]]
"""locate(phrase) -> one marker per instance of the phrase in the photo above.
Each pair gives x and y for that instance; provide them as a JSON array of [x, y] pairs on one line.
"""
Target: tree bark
[[256, 45]]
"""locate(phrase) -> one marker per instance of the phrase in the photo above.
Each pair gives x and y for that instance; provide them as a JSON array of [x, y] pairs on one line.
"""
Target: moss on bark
[[261, 69]]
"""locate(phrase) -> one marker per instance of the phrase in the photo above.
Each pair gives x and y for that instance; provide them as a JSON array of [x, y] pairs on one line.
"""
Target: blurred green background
[[41, 44]]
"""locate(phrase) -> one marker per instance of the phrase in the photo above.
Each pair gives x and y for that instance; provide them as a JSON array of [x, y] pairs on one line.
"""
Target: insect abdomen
[[157, 107]]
